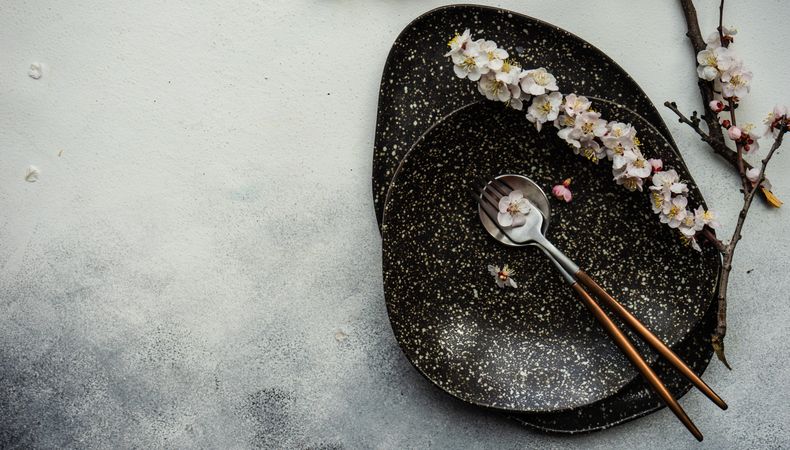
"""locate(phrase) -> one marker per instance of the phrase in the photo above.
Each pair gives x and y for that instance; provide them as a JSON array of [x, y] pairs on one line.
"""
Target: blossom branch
[[718, 147], [717, 340], [705, 88], [715, 134], [723, 81]]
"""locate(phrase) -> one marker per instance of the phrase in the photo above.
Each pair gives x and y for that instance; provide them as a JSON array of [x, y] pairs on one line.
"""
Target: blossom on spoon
[[513, 209]]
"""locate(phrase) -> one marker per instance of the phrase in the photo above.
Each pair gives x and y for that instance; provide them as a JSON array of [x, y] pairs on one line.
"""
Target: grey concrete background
[[201, 265]]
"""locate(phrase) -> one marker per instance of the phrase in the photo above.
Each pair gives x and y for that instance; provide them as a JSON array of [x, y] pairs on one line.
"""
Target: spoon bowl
[[533, 193]]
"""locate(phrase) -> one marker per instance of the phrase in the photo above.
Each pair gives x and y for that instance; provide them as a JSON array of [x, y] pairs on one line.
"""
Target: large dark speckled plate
[[535, 348]]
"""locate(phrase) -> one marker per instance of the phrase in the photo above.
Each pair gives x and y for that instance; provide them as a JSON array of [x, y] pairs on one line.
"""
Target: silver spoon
[[533, 233]]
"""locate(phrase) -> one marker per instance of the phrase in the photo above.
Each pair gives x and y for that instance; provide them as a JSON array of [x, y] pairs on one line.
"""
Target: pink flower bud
[[656, 163], [753, 174], [734, 133], [716, 106], [561, 192]]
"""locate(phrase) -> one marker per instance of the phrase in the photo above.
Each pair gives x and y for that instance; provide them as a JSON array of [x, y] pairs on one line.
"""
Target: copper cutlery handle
[[648, 336], [636, 359]]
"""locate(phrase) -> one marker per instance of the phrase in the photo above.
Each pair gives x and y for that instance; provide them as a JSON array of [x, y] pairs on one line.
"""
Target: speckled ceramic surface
[[535, 348], [418, 86], [636, 399]]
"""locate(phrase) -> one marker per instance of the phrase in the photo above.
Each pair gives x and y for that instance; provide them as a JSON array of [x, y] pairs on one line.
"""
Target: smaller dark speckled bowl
[[533, 349]]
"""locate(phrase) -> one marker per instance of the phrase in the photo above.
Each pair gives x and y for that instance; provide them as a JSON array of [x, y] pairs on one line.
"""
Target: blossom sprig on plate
[[502, 79]]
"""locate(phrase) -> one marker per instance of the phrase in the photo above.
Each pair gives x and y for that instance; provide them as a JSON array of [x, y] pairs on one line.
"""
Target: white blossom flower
[[619, 134], [513, 209], [494, 89], [714, 39], [690, 225], [713, 61], [629, 182], [576, 104], [735, 81], [656, 163], [591, 150], [709, 218], [544, 108], [657, 201], [667, 182], [538, 81], [458, 44], [470, 63], [674, 211], [753, 175], [772, 119], [637, 165], [496, 56], [509, 74], [503, 277], [586, 126]]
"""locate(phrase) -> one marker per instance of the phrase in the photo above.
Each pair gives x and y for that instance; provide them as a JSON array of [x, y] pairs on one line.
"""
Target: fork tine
[[490, 211], [487, 202], [505, 184], [497, 189], [501, 187]]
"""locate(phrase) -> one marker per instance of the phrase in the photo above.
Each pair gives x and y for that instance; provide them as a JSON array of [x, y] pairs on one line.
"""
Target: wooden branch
[[705, 87], [717, 340], [720, 148]]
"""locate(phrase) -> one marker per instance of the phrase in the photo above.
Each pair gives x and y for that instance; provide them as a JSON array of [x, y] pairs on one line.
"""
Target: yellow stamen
[[658, 199], [589, 153]]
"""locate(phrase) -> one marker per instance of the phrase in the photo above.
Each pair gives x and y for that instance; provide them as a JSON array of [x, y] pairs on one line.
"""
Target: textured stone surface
[[201, 265]]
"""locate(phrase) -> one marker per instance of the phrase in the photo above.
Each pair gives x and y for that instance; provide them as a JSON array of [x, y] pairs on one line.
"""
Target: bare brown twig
[[693, 122], [717, 340]]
